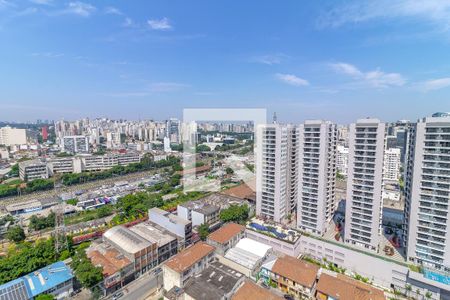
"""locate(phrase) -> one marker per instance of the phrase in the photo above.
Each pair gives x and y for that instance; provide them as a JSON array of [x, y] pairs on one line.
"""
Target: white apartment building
[[271, 172], [342, 160], [12, 136], [33, 169], [292, 168], [392, 164], [317, 175], [75, 144], [427, 188], [365, 183]]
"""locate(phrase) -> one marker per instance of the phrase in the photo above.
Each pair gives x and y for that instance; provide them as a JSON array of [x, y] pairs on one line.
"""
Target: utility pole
[[60, 230]]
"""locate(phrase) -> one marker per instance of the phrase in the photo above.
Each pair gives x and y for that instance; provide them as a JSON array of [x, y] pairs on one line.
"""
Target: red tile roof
[[188, 257], [226, 233]]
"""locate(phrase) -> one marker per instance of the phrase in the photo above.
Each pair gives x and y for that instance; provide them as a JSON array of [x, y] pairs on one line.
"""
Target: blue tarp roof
[[39, 281]]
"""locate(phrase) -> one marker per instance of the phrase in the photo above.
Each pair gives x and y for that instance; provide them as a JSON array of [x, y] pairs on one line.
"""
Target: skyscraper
[[365, 183], [427, 189], [271, 172], [317, 175]]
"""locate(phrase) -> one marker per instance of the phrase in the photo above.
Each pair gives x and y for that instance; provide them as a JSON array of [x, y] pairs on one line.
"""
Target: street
[[141, 288]]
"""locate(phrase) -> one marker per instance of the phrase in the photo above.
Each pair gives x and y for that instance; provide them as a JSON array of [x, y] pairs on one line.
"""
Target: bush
[[235, 213], [15, 234]]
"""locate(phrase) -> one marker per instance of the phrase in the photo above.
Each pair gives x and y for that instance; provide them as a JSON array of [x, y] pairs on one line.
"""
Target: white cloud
[[346, 69], [47, 54], [374, 78], [128, 22], [5, 4], [436, 12], [42, 2], [163, 24], [80, 8], [270, 59], [435, 84], [110, 10], [292, 79]]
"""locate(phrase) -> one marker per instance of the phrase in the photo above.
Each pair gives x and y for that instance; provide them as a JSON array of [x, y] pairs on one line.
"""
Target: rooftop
[[126, 239], [188, 257], [200, 206], [108, 258], [243, 191], [247, 253], [152, 234], [37, 282], [213, 283], [226, 233], [173, 218], [251, 291], [343, 288], [274, 230], [295, 269]]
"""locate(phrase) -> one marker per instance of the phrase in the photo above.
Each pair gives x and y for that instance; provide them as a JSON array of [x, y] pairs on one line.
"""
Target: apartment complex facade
[[392, 164], [365, 183], [342, 159], [271, 172], [427, 188], [75, 144], [317, 175], [12, 136]]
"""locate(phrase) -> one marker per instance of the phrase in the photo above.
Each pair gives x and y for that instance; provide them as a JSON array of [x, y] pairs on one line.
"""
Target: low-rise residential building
[[345, 288], [199, 213], [166, 241], [33, 169], [224, 201], [292, 276], [189, 262], [216, 282], [173, 223], [226, 237], [247, 256], [282, 240], [141, 252], [117, 269], [55, 279], [250, 291]]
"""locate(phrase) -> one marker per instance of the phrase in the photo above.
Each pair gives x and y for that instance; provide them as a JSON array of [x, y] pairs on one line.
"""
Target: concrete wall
[[227, 262], [197, 218], [381, 272], [171, 278], [276, 244]]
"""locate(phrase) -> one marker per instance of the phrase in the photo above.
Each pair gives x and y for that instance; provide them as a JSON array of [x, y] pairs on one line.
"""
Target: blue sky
[[336, 60]]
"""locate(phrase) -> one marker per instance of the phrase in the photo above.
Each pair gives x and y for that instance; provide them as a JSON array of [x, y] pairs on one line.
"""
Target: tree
[[428, 295], [15, 234], [45, 297], [235, 213], [87, 274], [229, 171], [203, 231], [72, 201], [39, 223], [408, 289], [203, 148]]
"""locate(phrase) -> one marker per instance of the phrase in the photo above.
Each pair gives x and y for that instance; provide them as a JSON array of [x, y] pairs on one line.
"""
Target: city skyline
[[336, 61]]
